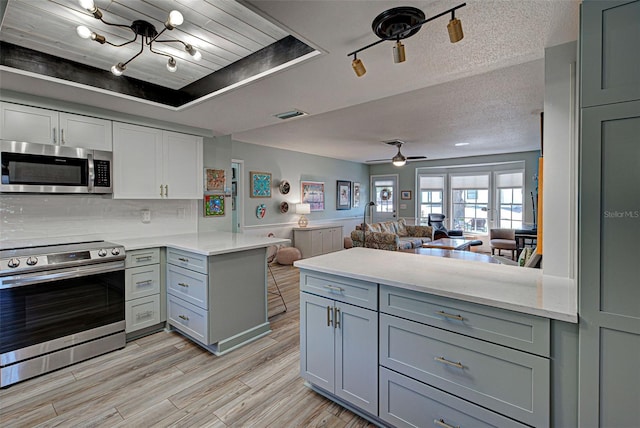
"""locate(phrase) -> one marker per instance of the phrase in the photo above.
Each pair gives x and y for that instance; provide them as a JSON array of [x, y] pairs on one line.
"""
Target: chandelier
[[147, 32]]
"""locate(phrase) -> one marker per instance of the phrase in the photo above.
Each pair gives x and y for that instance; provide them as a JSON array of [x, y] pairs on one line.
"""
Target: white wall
[[560, 169]]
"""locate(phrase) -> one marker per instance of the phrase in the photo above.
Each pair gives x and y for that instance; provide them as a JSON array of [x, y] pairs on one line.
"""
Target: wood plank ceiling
[[223, 31]]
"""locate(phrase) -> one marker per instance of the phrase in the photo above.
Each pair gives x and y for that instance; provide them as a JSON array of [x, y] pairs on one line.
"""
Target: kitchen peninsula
[[406, 340], [215, 286]]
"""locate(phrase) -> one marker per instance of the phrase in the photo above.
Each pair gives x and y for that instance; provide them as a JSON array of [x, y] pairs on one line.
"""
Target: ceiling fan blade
[[416, 157], [377, 160]]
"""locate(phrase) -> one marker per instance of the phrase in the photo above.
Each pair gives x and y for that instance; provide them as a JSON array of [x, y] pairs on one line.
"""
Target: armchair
[[439, 230]]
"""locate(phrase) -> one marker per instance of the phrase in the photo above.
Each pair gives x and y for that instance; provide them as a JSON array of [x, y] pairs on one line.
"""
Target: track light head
[[398, 53], [455, 30], [358, 67]]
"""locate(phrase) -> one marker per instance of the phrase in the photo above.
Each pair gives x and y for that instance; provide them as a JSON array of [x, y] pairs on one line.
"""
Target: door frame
[[374, 215], [237, 219]]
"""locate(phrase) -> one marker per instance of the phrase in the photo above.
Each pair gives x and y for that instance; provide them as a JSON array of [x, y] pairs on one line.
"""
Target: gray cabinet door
[[609, 269], [356, 356], [610, 56], [316, 341]]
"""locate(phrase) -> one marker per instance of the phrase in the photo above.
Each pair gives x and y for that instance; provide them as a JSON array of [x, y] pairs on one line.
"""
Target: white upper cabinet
[[151, 163], [44, 126]]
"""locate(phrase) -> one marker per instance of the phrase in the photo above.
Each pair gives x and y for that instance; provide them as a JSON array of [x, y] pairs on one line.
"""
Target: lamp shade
[[303, 209]]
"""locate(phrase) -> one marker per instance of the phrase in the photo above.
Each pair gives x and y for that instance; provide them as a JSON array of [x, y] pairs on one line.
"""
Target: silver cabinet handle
[[182, 284], [443, 424], [328, 316], [446, 315], [143, 258], [336, 318], [334, 288], [161, 191], [183, 317], [54, 136], [166, 190], [147, 282], [62, 136], [450, 363], [182, 259], [144, 314]]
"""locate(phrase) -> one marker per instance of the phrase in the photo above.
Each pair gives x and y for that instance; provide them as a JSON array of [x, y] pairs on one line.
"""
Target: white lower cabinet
[[143, 290], [338, 348], [317, 240]]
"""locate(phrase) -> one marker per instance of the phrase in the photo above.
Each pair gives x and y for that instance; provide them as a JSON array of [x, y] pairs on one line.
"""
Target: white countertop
[[208, 243], [509, 287]]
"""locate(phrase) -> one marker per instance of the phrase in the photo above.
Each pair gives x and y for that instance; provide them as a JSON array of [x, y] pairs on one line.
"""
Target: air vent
[[290, 114]]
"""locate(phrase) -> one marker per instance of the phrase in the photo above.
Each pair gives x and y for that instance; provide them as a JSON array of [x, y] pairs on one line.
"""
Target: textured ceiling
[[486, 90]]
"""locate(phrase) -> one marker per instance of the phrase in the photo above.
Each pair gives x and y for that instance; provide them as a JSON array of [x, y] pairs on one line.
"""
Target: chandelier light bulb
[[175, 19], [171, 65], [118, 69], [83, 32], [195, 53], [88, 5]]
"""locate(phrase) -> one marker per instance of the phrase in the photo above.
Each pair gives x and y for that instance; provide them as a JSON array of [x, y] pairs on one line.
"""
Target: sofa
[[391, 235]]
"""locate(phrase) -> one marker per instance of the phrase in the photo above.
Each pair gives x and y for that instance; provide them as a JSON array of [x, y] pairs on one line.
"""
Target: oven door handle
[[60, 274]]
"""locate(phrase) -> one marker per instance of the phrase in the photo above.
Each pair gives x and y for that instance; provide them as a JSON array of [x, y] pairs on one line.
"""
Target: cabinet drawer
[[405, 402], [507, 381], [142, 281], [141, 313], [189, 319], [185, 259], [144, 257], [359, 293], [515, 330], [188, 285]]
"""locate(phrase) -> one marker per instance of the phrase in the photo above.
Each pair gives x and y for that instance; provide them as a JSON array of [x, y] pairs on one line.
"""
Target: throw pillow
[[402, 228], [525, 255]]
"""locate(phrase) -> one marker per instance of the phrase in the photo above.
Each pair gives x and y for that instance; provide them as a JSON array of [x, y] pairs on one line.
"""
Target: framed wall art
[[260, 184], [343, 195], [214, 180], [312, 193], [356, 194], [405, 195], [213, 205]]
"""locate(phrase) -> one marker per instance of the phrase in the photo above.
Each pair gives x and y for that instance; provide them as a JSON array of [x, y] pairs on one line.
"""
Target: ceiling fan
[[399, 159]]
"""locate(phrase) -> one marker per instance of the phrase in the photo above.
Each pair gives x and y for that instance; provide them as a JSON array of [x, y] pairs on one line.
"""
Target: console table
[[316, 240]]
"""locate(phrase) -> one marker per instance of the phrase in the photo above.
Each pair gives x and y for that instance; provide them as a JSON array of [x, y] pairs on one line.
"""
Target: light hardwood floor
[[165, 380]]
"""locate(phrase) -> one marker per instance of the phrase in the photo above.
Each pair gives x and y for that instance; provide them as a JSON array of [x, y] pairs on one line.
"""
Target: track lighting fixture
[[147, 32], [399, 23]]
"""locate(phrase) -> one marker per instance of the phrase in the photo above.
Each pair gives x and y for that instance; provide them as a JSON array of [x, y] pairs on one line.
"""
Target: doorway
[[237, 195], [384, 190]]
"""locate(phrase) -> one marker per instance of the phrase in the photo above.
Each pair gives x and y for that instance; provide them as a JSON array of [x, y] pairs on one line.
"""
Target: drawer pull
[[443, 424], [143, 258], [144, 314], [451, 363], [334, 288], [182, 284], [146, 282], [183, 317], [182, 259], [336, 318], [328, 316], [446, 315]]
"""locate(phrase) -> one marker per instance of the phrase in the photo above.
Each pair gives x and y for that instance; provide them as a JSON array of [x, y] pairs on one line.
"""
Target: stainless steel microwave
[[45, 168]]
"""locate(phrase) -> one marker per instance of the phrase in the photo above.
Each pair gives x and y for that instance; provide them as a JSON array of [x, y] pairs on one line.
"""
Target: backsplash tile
[[92, 217]]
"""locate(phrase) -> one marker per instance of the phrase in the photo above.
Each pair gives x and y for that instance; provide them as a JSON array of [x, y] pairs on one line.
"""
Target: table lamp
[[303, 209]]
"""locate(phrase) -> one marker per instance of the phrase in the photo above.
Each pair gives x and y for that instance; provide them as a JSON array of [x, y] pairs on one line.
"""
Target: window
[[509, 188], [431, 191], [470, 202]]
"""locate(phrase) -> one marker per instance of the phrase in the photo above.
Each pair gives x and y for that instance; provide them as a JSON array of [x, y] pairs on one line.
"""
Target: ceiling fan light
[[118, 69], [171, 65], [83, 31], [358, 67], [398, 53], [455, 30], [399, 159], [175, 19]]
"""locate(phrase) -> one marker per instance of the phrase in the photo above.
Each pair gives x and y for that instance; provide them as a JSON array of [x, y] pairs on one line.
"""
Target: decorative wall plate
[[284, 207], [261, 210], [285, 187]]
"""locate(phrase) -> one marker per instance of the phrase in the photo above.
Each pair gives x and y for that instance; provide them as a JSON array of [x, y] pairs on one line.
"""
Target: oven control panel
[[38, 258]]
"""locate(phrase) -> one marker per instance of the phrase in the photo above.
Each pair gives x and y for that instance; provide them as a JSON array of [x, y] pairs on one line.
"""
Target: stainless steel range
[[59, 304]]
